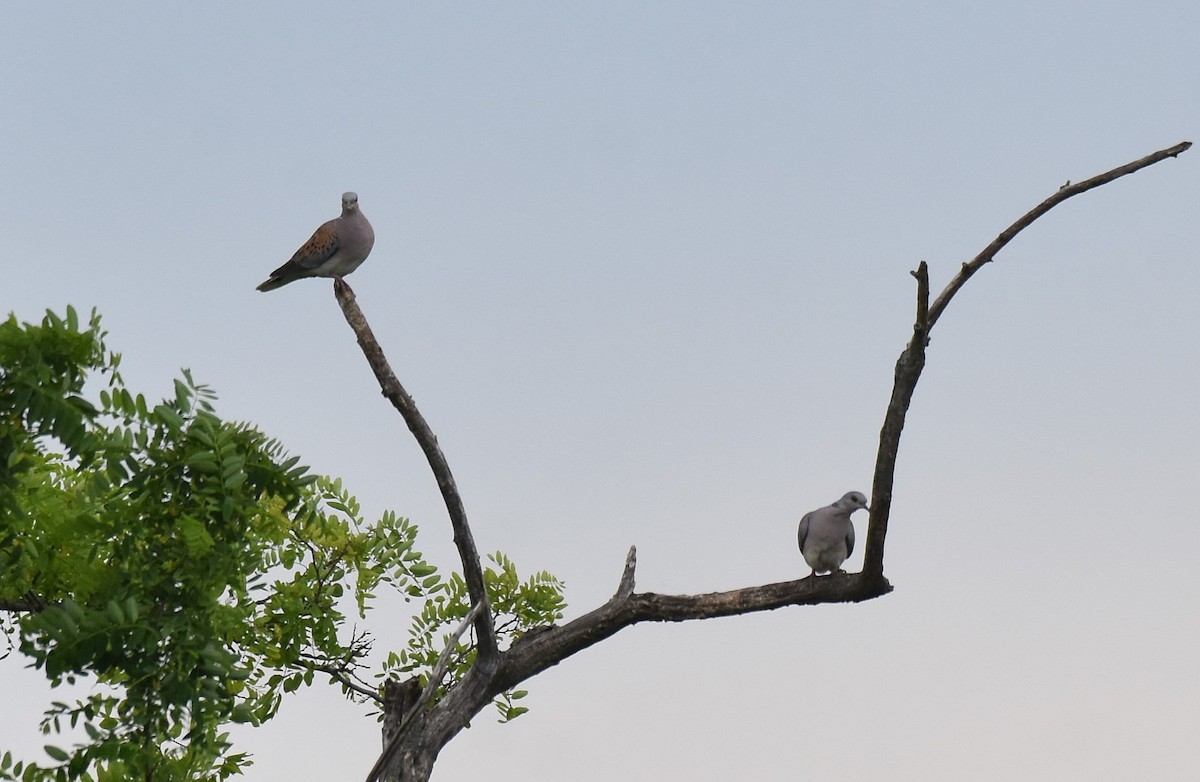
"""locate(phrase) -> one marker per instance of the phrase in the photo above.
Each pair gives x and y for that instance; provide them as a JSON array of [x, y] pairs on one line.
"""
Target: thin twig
[[1062, 194], [344, 679], [485, 634]]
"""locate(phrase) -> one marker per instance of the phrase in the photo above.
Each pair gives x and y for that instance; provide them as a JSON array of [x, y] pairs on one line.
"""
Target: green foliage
[[518, 606], [187, 566]]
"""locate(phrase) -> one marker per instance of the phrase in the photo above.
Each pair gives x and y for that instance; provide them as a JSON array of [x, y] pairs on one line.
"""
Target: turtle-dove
[[827, 534], [337, 248]]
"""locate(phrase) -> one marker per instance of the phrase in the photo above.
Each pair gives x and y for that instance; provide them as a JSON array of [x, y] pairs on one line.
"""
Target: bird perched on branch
[[827, 534], [337, 248]]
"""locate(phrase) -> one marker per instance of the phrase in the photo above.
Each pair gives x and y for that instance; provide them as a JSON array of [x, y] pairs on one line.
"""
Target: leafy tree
[[188, 566]]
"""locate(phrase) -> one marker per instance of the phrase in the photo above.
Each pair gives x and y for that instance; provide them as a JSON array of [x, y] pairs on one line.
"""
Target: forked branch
[[495, 671], [912, 360]]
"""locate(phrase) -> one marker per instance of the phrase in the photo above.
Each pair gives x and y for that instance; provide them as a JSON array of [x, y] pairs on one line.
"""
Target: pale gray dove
[[827, 534], [337, 248]]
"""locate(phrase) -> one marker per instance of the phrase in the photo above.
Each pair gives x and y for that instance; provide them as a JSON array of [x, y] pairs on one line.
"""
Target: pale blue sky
[[645, 269]]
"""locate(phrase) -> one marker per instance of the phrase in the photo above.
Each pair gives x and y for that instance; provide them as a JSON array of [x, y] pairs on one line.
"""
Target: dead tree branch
[[485, 633], [410, 755], [536, 652], [1062, 194], [912, 360]]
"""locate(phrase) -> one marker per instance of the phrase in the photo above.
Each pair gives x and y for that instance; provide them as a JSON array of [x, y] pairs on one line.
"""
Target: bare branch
[[908, 371], [342, 668], [1062, 194], [912, 360], [536, 652], [394, 392], [344, 679]]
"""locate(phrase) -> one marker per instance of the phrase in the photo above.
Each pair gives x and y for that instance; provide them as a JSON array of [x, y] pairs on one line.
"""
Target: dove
[[337, 248], [827, 535]]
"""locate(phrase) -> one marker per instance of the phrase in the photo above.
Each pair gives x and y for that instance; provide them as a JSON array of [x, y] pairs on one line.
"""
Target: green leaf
[[204, 461], [56, 753], [165, 415]]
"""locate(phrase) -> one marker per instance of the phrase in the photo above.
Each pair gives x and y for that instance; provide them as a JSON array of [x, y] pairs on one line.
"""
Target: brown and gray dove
[[337, 248]]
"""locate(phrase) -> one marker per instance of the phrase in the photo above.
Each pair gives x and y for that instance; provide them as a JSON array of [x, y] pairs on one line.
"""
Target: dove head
[[852, 501], [349, 202]]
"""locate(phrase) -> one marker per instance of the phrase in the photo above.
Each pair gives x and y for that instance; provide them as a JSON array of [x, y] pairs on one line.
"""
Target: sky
[[645, 269]]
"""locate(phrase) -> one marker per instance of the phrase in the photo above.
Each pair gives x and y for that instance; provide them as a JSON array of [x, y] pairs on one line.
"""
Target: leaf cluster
[[519, 605]]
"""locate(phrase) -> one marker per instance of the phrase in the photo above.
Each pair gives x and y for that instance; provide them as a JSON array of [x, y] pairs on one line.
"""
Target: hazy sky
[[644, 267]]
